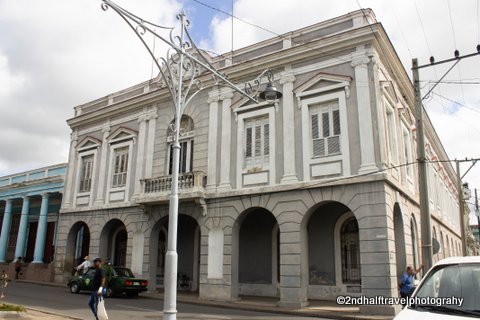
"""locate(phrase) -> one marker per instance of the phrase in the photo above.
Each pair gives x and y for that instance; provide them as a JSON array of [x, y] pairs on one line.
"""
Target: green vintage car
[[122, 282]]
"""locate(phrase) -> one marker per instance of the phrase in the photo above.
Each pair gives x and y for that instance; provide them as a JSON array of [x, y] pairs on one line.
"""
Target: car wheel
[[109, 293], [74, 288], [132, 294]]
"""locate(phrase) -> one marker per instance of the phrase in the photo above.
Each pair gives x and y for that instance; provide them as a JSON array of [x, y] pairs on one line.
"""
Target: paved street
[[60, 300]]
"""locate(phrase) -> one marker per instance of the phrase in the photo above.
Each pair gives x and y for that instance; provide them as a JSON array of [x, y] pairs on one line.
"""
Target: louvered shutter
[[266, 139]]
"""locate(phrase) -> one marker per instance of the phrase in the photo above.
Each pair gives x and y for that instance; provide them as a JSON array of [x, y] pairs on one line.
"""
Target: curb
[[250, 307], [41, 283], [237, 306], [54, 313]]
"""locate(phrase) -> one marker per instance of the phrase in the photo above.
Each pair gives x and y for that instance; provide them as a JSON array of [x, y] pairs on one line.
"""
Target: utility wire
[[330, 181], [400, 28], [424, 35], [451, 23], [267, 30], [455, 45], [451, 82], [456, 102], [478, 21], [422, 27]]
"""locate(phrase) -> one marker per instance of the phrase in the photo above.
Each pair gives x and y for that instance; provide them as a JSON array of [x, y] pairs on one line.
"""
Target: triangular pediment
[[390, 90], [88, 143], [122, 133], [244, 104], [323, 82]]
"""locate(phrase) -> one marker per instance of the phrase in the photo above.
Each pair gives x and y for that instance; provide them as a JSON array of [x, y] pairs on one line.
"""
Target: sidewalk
[[34, 314], [316, 309]]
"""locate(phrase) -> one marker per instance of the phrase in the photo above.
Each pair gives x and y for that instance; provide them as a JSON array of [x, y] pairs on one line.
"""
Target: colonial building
[[30, 203], [310, 197]]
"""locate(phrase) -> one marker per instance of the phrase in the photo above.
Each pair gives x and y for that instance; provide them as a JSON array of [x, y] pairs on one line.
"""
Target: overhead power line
[[267, 30], [456, 102]]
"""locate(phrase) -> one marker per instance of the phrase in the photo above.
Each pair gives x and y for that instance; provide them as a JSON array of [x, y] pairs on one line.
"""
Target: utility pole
[[422, 173], [422, 161], [461, 205], [477, 214]]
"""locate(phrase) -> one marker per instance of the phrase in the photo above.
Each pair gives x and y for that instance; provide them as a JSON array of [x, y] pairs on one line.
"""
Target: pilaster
[[226, 96], [103, 165], [289, 175], [142, 135], [152, 126], [70, 169], [213, 101], [360, 63]]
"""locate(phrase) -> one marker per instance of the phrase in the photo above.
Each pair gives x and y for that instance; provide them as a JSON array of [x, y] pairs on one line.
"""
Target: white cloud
[[9, 82], [57, 54], [457, 126]]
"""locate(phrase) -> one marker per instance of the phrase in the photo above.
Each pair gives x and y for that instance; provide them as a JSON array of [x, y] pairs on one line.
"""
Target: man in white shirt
[[84, 265]]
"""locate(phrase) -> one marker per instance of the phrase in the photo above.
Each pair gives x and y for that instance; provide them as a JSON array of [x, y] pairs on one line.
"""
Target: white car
[[450, 290]]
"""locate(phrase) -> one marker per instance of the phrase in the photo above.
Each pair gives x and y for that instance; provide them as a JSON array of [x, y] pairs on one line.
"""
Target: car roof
[[459, 260]]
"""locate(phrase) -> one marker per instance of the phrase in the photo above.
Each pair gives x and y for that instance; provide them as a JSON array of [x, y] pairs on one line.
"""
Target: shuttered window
[[86, 174], [325, 129], [186, 157], [391, 134], [257, 142], [120, 167]]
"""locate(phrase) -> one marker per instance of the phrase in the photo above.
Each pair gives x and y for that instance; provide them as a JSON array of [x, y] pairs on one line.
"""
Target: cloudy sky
[[57, 54]]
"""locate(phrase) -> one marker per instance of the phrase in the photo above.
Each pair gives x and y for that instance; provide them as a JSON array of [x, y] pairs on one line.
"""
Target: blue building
[[29, 207]]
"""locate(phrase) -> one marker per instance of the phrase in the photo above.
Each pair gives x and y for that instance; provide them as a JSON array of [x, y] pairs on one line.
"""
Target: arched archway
[[113, 242], [442, 243], [188, 249], [350, 251], [256, 254], [332, 262], [454, 253], [435, 238], [399, 231], [78, 245], [414, 240]]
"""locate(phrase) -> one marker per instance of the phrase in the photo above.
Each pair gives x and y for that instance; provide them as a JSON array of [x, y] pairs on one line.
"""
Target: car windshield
[[457, 280], [123, 273]]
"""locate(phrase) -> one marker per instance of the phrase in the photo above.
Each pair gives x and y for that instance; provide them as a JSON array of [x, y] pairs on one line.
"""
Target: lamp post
[[181, 72]]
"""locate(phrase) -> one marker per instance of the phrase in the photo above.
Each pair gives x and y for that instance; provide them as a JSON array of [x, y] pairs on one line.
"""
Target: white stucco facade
[[305, 198]]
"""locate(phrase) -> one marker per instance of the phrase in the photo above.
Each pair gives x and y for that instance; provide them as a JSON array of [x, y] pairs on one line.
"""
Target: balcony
[[156, 190]]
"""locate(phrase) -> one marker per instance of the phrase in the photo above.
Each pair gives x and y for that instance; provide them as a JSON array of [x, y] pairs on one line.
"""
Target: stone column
[[70, 170], [7, 221], [152, 126], [292, 283], [142, 135], [41, 230], [22, 228], [102, 177], [226, 96], [360, 63], [377, 248], [137, 253], [288, 103], [213, 98]]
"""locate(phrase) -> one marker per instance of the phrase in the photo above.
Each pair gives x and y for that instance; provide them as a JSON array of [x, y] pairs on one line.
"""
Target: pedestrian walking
[[85, 265], [406, 282], [98, 283], [18, 267]]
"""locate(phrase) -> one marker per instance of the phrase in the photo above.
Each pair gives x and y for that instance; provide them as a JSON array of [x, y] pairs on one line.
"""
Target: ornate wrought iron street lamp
[[181, 72]]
